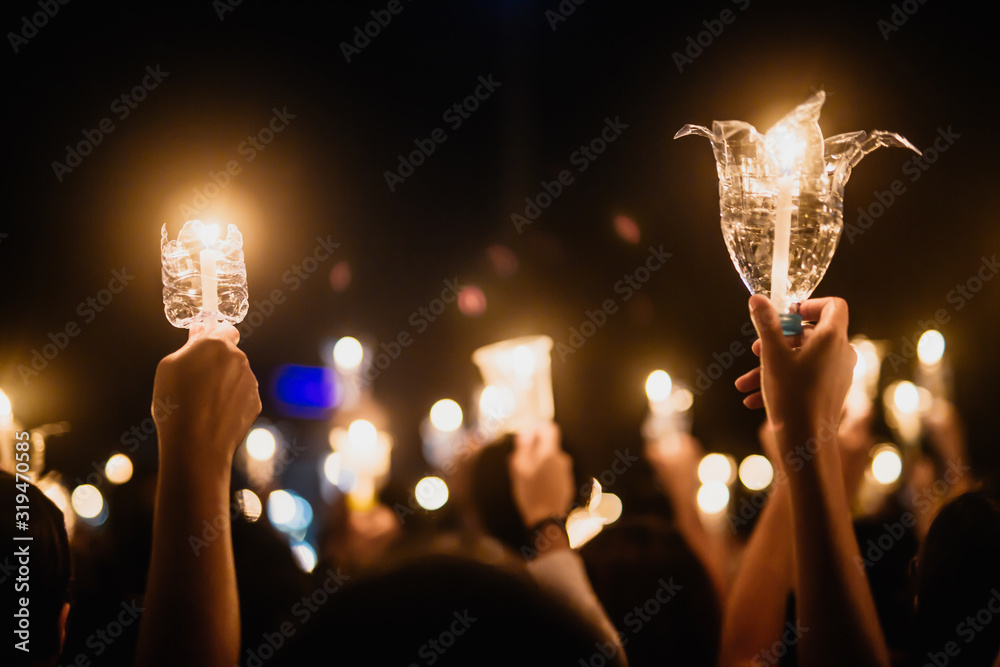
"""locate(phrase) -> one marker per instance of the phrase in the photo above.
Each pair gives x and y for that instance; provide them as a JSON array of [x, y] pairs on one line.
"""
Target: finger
[[754, 401], [195, 331], [820, 310], [765, 320], [222, 331], [547, 438], [755, 348], [525, 446], [749, 381]]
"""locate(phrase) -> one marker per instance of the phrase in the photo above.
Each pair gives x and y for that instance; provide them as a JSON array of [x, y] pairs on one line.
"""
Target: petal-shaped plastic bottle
[[204, 277], [781, 198]]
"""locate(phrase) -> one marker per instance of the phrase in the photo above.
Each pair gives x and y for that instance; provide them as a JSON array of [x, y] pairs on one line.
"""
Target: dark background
[[324, 175]]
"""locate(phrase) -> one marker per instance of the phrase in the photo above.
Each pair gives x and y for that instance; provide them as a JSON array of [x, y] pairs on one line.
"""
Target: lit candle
[[6, 433], [520, 369], [442, 432], [782, 241], [931, 372], [787, 150], [209, 261], [366, 453], [197, 262]]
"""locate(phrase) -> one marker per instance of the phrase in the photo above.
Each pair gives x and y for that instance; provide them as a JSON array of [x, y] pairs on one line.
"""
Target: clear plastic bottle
[[184, 274]]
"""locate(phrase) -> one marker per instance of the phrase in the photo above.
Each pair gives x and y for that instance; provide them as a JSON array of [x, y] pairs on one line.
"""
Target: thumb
[[768, 325], [195, 331]]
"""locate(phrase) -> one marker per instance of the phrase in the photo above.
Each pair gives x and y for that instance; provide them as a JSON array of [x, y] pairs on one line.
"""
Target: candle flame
[[785, 146]]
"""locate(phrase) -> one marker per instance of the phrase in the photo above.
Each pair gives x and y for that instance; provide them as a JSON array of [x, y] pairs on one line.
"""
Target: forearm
[[680, 486], [560, 572], [836, 612], [191, 606], [756, 609]]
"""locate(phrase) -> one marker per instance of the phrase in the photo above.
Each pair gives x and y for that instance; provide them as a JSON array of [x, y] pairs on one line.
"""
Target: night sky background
[[324, 175]]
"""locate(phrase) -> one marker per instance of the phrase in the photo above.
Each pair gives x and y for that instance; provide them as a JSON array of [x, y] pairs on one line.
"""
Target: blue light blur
[[307, 392]]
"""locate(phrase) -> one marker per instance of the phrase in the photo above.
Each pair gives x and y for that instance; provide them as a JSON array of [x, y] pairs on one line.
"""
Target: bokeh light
[[261, 443], [658, 386], [118, 469], [503, 259], [471, 301], [446, 415], [332, 467], [930, 347], [906, 398], [348, 353], [756, 472], [887, 465], [87, 501], [431, 493], [250, 504], [626, 229], [713, 497], [715, 468], [305, 555], [340, 276], [280, 507], [362, 433], [288, 511]]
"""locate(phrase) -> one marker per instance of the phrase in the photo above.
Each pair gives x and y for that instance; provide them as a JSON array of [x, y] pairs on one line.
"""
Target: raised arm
[[191, 613], [755, 612], [803, 390], [542, 486]]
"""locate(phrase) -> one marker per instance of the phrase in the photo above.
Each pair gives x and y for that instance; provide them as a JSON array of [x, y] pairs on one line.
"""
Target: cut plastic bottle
[[204, 276]]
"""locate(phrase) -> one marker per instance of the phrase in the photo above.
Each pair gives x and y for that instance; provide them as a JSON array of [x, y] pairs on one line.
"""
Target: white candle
[[782, 241], [210, 280]]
